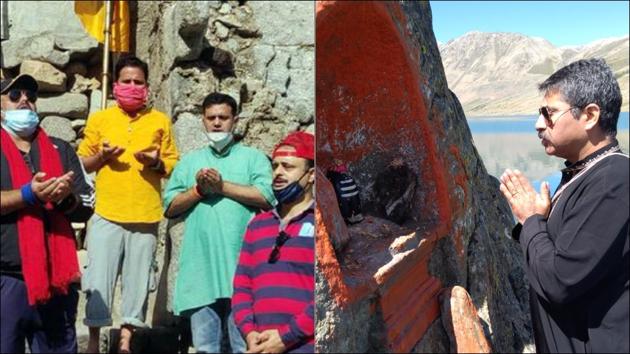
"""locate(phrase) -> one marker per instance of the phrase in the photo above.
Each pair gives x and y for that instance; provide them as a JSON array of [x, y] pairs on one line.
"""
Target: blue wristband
[[27, 194]]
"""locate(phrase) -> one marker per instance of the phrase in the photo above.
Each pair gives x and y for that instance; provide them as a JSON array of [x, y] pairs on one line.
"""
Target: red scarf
[[49, 259]]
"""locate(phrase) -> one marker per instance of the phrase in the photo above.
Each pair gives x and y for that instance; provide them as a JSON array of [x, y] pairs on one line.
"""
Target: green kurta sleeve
[[261, 177], [177, 183]]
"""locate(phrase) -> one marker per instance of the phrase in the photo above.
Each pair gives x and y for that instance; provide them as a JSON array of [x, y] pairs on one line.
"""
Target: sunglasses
[[544, 111], [16, 94], [275, 253]]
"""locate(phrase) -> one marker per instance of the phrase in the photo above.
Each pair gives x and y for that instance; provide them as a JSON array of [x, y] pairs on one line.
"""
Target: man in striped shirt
[[273, 301]]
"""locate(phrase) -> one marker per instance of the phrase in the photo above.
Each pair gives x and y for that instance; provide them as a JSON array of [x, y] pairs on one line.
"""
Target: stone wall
[[195, 47], [261, 53], [435, 218], [47, 41]]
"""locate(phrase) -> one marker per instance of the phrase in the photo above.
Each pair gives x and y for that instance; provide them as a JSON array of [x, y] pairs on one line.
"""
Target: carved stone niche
[[372, 116]]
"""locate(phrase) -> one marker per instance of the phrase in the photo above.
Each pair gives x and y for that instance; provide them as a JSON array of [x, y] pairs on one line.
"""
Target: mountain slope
[[498, 73]]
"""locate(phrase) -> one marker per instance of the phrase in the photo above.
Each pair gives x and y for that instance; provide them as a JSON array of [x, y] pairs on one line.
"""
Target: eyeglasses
[[16, 94], [280, 240], [544, 111]]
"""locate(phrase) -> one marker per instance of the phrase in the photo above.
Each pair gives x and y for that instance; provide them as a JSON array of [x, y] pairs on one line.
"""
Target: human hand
[[215, 181], [148, 157], [522, 197], [269, 341], [53, 189], [107, 152], [252, 340], [64, 187], [202, 180]]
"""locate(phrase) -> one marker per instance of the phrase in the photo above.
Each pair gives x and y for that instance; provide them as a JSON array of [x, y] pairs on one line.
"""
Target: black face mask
[[291, 192]]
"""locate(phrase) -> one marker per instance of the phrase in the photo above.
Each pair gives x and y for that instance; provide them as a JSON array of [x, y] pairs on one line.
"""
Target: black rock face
[[394, 189]]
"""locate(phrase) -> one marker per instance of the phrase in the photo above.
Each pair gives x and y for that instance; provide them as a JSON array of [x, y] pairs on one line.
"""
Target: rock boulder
[[49, 78]]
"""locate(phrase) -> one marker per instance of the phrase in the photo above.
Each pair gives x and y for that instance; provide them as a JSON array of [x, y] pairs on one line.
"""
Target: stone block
[[71, 105], [49, 78], [273, 18], [80, 84], [76, 67], [42, 48], [78, 124], [59, 127], [184, 25], [189, 133], [45, 30]]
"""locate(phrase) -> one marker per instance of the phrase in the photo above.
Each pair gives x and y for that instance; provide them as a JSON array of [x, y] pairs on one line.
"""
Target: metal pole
[[107, 31]]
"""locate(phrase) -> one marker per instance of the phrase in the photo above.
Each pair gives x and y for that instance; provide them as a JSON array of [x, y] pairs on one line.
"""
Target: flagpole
[[107, 32]]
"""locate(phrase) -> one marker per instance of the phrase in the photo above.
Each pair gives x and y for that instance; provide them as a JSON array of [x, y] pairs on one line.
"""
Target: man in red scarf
[[43, 189]]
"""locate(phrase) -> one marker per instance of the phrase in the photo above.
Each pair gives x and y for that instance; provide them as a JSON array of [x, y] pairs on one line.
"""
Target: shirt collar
[[146, 109], [309, 209], [225, 152], [572, 169]]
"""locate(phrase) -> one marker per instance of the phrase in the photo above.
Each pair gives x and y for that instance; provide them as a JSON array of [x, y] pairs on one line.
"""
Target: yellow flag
[[92, 15]]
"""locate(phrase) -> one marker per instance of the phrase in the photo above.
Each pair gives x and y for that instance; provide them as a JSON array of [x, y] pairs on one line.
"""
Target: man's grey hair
[[584, 82]]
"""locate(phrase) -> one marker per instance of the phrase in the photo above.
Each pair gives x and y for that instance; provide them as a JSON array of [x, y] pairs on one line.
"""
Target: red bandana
[[302, 142]]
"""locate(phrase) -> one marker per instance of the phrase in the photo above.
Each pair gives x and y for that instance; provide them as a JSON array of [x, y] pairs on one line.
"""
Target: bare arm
[[98, 160], [182, 202], [11, 201], [92, 163]]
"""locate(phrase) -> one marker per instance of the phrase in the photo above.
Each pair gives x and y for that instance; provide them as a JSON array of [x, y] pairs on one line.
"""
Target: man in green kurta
[[217, 189]]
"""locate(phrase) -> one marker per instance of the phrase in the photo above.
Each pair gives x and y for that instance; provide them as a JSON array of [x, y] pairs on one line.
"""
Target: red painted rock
[[460, 320], [373, 117], [384, 110]]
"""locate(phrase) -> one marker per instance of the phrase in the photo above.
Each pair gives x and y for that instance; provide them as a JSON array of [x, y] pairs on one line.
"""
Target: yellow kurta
[[126, 190]]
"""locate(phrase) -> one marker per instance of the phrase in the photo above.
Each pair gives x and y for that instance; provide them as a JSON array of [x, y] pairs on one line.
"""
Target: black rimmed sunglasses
[[544, 111], [16, 94], [280, 240]]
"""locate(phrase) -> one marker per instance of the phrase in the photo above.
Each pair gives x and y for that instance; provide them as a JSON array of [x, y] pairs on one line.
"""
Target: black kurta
[[578, 264]]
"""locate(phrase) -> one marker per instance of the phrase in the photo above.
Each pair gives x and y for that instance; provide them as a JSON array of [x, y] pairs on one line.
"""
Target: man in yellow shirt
[[131, 148]]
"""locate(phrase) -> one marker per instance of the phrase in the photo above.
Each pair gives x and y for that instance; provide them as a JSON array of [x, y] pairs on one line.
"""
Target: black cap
[[23, 81]]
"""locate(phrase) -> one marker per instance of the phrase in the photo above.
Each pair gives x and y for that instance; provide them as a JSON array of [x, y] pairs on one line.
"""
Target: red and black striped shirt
[[277, 295]]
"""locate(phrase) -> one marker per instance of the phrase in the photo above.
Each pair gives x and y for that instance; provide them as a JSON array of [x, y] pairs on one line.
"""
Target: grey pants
[[109, 243]]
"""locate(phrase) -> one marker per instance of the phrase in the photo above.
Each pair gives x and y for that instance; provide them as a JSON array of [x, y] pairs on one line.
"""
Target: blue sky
[[560, 22]]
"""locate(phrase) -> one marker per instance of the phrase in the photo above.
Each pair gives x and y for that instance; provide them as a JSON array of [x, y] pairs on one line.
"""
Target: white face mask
[[20, 122], [219, 140]]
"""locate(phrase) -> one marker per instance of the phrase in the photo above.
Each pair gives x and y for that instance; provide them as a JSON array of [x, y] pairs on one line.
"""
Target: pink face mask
[[131, 98]]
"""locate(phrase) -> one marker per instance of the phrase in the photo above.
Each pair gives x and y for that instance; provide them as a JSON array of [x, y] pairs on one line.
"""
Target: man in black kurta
[[576, 244]]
